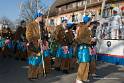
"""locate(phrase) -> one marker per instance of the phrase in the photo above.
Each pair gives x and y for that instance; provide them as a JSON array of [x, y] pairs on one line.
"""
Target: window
[[74, 5], [63, 8], [70, 6], [52, 22], [80, 4], [66, 6], [75, 18], [83, 3], [60, 9], [94, 1], [62, 18]]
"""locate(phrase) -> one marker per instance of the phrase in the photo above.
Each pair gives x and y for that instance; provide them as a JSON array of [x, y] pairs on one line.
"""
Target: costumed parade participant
[[33, 36], [64, 37], [93, 30], [122, 20], [83, 41], [93, 58], [9, 44], [38, 47], [9, 33], [53, 48], [20, 39], [45, 46], [4, 31], [116, 24], [2, 44], [20, 32], [2, 41]]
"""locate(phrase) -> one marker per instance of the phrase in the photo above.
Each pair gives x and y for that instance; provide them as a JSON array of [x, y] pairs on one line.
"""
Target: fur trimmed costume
[[33, 35], [64, 38], [83, 40]]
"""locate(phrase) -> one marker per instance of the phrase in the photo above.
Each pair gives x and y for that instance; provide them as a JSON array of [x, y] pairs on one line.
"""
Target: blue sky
[[10, 9]]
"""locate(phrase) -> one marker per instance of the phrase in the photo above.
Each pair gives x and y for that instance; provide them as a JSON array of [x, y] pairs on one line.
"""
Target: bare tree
[[7, 23], [27, 9]]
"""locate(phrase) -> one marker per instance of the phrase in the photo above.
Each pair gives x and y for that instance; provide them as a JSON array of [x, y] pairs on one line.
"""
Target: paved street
[[13, 71]]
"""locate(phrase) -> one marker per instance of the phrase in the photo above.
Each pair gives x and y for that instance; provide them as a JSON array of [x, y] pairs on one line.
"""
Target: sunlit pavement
[[13, 71]]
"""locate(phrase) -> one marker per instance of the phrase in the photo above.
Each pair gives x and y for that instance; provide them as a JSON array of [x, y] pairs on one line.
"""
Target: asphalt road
[[15, 71]]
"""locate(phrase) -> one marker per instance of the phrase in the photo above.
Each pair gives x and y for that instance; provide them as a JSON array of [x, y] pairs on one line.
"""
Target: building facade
[[74, 9]]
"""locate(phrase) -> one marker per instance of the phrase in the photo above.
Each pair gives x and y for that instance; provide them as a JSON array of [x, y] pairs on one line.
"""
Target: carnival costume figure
[[83, 40], [93, 58], [64, 37], [45, 47], [116, 24], [33, 36], [9, 44], [20, 39]]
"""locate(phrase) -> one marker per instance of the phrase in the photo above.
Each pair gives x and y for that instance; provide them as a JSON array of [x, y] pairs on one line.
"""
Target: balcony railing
[[72, 9]]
